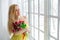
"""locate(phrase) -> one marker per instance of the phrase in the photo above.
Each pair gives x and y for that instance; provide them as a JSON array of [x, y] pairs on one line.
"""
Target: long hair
[[11, 17]]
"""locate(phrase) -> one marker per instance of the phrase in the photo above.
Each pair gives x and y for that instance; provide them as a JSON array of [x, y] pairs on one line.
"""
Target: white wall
[[4, 5], [3, 20]]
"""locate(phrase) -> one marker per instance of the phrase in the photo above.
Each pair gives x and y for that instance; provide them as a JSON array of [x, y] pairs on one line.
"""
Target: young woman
[[14, 16]]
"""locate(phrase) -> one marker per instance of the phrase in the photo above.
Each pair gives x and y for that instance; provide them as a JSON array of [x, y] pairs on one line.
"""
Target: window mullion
[[34, 17], [29, 17], [58, 32], [49, 16], [46, 20], [38, 19]]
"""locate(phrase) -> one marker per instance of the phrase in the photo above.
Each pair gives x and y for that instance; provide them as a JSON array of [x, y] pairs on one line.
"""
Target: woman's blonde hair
[[11, 17]]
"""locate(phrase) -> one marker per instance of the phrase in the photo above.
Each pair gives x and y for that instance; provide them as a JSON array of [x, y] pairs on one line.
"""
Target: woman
[[14, 15]]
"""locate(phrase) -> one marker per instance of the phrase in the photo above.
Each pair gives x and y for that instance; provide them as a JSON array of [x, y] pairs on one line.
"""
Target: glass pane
[[41, 35], [31, 19], [54, 7], [42, 6], [52, 38], [36, 6], [36, 34], [41, 22], [33, 32], [36, 21], [53, 28], [26, 6]]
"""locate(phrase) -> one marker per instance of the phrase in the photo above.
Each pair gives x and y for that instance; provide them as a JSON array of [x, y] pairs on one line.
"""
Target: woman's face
[[17, 11]]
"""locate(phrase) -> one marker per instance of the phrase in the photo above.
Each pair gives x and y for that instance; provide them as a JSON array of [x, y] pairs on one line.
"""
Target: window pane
[[26, 6], [42, 6], [53, 28], [41, 35], [51, 38], [36, 6], [31, 19], [54, 7], [36, 21], [42, 23], [36, 34], [33, 32]]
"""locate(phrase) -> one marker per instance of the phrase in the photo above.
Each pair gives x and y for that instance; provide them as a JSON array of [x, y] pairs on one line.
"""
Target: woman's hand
[[20, 31]]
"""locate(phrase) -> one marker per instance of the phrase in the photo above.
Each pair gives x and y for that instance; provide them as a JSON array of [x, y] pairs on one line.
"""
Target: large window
[[35, 11]]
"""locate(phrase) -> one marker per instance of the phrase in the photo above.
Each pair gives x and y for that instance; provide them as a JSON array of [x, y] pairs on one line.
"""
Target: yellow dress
[[20, 37]]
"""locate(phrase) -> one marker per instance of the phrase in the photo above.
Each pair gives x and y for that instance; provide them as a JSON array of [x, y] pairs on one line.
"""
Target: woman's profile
[[15, 17]]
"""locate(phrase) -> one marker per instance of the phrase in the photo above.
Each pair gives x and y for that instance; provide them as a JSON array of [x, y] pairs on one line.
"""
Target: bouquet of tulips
[[19, 26]]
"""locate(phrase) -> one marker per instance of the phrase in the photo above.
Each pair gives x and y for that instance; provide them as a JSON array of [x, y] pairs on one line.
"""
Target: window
[[35, 11]]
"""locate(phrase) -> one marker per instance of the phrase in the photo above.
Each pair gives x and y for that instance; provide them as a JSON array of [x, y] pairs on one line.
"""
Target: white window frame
[[47, 16]]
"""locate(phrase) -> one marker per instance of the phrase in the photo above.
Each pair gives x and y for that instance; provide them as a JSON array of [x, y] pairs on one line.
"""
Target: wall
[[4, 35]]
